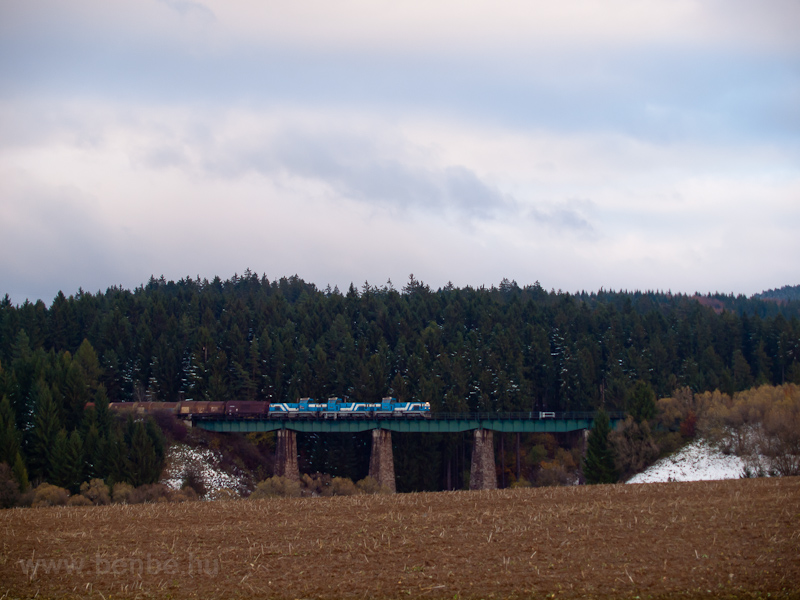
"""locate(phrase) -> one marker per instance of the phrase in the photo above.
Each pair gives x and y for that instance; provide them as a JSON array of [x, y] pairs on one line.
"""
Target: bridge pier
[[381, 461], [483, 473], [286, 455]]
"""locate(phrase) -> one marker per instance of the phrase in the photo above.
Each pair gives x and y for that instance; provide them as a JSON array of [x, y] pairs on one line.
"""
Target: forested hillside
[[506, 348], [786, 293]]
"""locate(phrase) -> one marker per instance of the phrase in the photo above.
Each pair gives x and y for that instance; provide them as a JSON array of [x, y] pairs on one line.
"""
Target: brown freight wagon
[[246, 408]]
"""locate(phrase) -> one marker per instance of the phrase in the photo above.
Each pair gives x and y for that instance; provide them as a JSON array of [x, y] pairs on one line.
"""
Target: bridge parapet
[[437, 423]]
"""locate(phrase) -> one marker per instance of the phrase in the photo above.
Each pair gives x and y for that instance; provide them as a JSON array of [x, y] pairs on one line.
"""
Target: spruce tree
[[47, 425], [9, 436], [57, 474], [598, 466], [20, 473], [642, 402]]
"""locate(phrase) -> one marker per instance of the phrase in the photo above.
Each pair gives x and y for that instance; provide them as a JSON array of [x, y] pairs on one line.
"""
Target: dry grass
[[704, 539]]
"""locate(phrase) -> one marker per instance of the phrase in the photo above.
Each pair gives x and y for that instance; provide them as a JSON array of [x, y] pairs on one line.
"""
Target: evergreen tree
[[642, 402], [92, 462], [20, 473], [67, 464], [47, 424], [598, 466], [9, 435], [144, 464], [57, 474]]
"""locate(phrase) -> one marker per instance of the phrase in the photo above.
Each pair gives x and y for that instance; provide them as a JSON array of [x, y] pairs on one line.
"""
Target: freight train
[[304, 408]]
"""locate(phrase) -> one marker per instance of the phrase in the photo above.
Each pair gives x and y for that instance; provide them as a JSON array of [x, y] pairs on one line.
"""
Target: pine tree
[[598, 466]]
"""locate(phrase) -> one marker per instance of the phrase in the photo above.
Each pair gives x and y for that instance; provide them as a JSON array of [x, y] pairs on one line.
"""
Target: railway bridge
[[381, 466]]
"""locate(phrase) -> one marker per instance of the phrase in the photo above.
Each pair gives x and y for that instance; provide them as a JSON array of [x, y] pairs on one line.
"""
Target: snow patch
[[698, 461], [181, 459]]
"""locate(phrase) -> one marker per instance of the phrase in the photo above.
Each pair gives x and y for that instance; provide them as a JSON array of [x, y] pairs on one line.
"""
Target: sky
[[616, 144]]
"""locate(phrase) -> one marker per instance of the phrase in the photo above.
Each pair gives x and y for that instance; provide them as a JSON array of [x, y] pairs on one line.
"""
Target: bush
[[193, 480], [49, 495], [79, 500], [668, 442], [634, 448], [96, 491], [369, 485], [276, 487], [551, 474], [121, 493], [342, 486], [149, 493], [173, 427], [9, 488], [521, 483], [316, 484]]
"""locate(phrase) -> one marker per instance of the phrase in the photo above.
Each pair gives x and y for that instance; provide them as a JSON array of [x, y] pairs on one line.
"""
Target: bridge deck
[[562, 423]]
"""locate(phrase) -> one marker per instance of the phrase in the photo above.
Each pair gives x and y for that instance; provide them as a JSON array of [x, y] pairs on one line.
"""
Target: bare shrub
[[759, 423], [521, 483], [121, 492], [552, 474], [668, 442], [342, 486], [96, 491], [370, 485], [634, 447], [49, 495], [9, 488], [276, 486], [315, 484], [193, 479], [149, 493], [173, 427], [79, 500]]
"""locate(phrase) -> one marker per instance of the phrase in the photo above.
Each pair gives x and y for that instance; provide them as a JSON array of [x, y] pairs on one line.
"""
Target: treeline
[[503, 348], [50, 435], [787, 293]]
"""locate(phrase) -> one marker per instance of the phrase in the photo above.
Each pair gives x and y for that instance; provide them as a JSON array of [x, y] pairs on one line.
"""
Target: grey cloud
[[360, 169], [57, 240], [189, 8], [571, 215], [164, 156]]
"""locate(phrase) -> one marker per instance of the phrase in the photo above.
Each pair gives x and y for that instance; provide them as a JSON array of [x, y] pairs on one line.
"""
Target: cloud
[[188, 8], [627, 143]]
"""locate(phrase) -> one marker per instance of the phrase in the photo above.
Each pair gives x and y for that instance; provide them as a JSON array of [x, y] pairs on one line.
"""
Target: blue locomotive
[[338, 408]]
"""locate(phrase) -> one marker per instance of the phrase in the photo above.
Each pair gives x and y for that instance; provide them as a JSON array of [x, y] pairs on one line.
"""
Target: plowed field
[[723, 539]]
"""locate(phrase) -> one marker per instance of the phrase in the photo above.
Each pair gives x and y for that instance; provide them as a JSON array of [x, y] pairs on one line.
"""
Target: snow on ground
[[697, 461], [182, 458]]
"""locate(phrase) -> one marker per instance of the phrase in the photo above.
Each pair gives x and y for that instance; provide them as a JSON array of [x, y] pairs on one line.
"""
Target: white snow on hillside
[[182, 458], [697, 461]]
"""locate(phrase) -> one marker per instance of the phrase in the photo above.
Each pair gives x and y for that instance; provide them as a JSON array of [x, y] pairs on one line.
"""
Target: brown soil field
[[722, 539]]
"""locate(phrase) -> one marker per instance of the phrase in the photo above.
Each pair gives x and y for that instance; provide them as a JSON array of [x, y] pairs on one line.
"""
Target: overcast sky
[[623, 144]]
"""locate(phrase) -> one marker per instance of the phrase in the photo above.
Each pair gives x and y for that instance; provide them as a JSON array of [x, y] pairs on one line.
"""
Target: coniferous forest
[[504, 348]]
